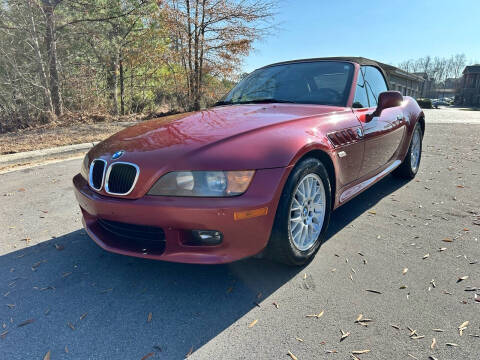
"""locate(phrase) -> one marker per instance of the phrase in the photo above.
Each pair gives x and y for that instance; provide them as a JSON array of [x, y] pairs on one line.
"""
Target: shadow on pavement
[[57, 282], [354, 208]]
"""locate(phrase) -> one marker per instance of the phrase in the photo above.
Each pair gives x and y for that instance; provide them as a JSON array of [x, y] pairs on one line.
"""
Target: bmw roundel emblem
[[118, 155]]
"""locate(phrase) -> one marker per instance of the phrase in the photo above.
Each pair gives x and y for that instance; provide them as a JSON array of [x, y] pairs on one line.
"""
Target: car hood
[[168, 138], [239, 137]]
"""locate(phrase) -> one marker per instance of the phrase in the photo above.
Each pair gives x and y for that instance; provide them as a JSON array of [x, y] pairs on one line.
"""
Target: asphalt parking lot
[[404, 255]]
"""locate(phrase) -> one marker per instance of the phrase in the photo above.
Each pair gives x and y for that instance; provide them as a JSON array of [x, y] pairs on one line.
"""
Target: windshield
[[317, 82]]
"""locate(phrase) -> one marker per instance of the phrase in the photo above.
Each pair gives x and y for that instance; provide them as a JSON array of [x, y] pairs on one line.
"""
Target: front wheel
[[409, 167], [302, 215]]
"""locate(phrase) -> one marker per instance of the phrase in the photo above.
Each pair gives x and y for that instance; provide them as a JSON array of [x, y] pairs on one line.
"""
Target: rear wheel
[[409, 167], [302, 215]]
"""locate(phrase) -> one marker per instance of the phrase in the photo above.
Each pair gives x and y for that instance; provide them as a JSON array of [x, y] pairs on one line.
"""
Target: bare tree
[[213, 36]]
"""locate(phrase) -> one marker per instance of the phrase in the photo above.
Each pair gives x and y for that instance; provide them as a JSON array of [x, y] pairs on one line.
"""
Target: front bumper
[[177, 216]]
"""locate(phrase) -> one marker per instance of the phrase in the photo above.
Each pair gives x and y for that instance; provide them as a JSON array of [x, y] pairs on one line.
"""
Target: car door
[[382, 134]]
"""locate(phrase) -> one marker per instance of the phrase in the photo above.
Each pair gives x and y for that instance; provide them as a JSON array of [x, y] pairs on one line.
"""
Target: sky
[[389, 31]]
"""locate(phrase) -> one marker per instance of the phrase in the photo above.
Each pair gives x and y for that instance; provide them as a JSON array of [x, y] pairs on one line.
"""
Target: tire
[[286, 245], [409, 167]]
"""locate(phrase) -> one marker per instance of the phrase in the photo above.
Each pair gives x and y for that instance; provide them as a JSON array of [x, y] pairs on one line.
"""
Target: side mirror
[[387, 99]]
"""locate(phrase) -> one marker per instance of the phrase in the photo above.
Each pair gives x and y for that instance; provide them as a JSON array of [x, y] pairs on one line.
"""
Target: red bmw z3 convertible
[[258, 173]]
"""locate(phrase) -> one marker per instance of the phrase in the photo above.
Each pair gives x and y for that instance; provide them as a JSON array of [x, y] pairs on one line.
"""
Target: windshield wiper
[[255, 101], [220, 103], [266, 101]]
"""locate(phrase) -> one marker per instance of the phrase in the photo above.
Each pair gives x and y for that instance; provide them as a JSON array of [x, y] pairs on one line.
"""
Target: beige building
[[407, 83]]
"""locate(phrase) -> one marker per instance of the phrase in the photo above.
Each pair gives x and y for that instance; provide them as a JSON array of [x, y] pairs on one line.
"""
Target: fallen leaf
[[59, 247], [3, 334], [360, 316], [404, 271], [438, 330], [252, 324], [83, 316], [318, 316], [66, 349], [372, 212], [447, 240], [434, 342], [149, 318], [359, 352], [149, 355], [426, 256], [331, 351], [299, 339], [462, 278], [344, 335], [451, 344], [403, 287], [418, 337], [373, 291], [442, 249], [26, 322], [47, 356], [275, 304], [70, 325], [395, 326], [413, 357], [464, 324], [292, 356]]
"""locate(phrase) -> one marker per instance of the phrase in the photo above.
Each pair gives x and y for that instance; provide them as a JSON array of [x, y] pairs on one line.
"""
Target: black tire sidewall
[[409, 162], [305, 167]]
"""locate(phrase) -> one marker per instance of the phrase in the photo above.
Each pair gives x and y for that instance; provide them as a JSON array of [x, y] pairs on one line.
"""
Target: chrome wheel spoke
[[415, 150], [307, 212]]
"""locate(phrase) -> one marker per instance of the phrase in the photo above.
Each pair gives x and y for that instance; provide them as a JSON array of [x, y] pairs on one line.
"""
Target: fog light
[[207, 237]]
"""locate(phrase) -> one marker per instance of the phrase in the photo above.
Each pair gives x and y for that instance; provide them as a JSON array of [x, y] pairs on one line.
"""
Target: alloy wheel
[[307, 212]]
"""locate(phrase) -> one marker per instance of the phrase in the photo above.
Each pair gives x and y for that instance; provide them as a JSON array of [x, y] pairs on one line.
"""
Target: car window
[[360, 100], [315, 82], [375, 83]]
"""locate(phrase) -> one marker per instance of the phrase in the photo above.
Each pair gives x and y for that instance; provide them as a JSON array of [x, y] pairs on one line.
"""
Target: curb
[[44, 154]]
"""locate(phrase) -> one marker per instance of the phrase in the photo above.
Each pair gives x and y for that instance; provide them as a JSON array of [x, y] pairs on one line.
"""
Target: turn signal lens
[[238, 181], [242, 215]]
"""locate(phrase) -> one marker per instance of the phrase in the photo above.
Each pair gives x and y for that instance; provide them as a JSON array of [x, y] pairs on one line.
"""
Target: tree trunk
[[122, 88], [50, 43], [113, 83]]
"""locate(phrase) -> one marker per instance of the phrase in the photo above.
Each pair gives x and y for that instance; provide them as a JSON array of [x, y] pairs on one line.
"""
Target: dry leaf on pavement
[[252, 324], [359, 352], [26, 322], [292, 356], [318, 316]]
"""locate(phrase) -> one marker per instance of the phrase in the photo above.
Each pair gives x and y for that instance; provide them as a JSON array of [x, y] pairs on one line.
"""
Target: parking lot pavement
[[450, 115], [63, 294]]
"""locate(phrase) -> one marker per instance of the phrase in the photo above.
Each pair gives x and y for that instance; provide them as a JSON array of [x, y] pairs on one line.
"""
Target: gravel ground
[[61, 293]]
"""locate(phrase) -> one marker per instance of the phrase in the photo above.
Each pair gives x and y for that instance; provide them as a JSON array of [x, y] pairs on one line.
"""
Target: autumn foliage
[[121, 56]]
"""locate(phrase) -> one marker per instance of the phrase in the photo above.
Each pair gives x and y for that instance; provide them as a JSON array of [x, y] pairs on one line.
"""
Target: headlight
[[84, 171], [203, 183]]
